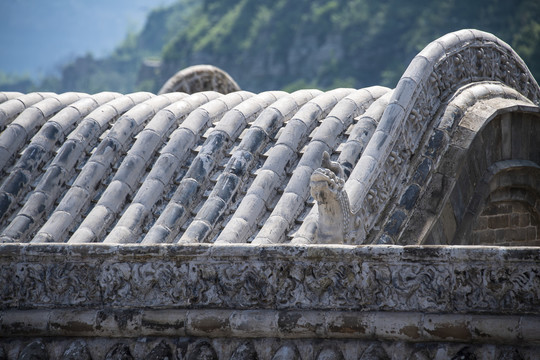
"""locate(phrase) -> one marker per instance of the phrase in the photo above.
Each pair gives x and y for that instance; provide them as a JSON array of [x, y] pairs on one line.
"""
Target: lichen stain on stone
[[454, 331], [410, 331], [211, 324], [479, 333], [348, 326], [287, 321], [176, 325], [16, 327], [73, 326]]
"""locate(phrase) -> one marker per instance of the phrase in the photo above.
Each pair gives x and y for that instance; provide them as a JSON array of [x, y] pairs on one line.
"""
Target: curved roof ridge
[[431, 78]]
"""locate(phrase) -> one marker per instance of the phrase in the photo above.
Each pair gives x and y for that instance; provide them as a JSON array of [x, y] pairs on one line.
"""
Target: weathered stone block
[[117, 323], [209, 323], [72, 323], [164, 322], [529, 328], [351, 325], [495, 329], [254, 323], [25, 323], [443, 328], [300, 324], [398, 326]]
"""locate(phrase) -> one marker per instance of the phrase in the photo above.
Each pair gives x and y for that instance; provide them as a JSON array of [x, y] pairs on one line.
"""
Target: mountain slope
[[268, 44], [275, 44]]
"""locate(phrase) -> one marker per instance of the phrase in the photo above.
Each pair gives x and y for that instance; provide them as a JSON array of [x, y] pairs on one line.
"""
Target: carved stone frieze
[[269, 277], [508, 291], [409, 285], [149, 282]]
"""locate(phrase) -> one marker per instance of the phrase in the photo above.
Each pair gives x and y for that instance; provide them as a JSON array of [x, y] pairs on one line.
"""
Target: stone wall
[[507, 223]]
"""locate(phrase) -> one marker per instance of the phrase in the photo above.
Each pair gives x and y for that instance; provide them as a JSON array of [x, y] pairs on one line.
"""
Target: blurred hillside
[[280, 44], [38, 37]]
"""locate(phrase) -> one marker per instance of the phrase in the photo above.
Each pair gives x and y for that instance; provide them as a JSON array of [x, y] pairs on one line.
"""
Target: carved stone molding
[[372, 278], [262, 349]]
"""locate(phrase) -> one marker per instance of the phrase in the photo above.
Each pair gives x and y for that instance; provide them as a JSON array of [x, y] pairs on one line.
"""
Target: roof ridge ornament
[[199, 78], [335, 215]]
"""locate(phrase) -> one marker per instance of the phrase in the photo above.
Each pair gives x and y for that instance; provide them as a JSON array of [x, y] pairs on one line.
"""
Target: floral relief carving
[[290, 279], [31, 283], [407, 286], [245, 285], [381, 191], [72, 283], [258, 286], [490, 60], [332, 284], [275, 283], [204, 284], [488, 288], [154, 281], [115, 282], [8, 286], [475, 62]]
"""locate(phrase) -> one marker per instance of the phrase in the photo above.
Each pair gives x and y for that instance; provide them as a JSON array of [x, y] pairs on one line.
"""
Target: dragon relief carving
[[336, 220]]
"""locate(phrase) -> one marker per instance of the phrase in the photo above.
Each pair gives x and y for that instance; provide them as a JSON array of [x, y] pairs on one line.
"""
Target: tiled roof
[[236, 167]]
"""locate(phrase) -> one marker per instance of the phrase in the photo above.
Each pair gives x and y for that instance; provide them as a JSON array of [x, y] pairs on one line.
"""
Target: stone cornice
[[217, 323], [430, 279]]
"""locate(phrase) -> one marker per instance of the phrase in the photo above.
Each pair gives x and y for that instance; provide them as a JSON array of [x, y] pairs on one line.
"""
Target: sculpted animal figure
[[335, 216]]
